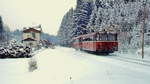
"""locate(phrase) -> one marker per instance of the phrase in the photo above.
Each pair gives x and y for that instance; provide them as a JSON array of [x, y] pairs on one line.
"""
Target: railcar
[[98, 42]]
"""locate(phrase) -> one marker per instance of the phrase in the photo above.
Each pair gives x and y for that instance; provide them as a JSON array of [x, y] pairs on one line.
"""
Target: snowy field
[[68, 66]]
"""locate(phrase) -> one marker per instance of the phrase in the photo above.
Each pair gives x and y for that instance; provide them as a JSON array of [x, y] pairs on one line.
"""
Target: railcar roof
[[86, 35]]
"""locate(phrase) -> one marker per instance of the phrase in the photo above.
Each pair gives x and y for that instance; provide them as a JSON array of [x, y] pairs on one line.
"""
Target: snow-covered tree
[[65, 31], [1, 30], [75, 21], [127, 15], [4, 32], [81, 17]]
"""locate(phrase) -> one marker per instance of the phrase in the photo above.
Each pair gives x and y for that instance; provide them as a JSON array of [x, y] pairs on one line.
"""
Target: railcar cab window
[[101, 37], [105, 36], [111, 37]]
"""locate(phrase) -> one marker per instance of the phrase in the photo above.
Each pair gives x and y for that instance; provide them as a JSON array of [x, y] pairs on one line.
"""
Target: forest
[[125, 16]]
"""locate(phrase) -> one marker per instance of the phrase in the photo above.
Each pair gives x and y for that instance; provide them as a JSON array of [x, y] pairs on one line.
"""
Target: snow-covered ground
[[134, 56], [13, 71], [68, 66]]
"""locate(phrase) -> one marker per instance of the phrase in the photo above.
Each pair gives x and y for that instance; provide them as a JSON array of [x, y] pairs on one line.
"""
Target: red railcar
[[97, 42]]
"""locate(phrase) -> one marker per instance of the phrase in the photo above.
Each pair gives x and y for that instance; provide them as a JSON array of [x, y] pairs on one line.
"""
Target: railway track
[[132, 60]]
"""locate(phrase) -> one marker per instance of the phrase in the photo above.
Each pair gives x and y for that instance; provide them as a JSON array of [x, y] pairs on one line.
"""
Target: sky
[[27, 13]]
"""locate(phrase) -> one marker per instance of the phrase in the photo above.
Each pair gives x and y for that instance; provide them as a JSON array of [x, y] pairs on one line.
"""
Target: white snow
[[13, 71], [68, 66], [134, 56]]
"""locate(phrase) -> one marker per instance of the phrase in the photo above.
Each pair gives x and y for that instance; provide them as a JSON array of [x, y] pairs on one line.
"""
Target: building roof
[[31, 30], [29, 39]]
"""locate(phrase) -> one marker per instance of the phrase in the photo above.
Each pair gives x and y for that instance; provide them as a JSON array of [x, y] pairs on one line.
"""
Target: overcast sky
[[23, 13]]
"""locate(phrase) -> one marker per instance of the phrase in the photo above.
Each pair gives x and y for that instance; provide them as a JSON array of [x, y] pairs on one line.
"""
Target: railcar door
[[80, 43], [92, 43]]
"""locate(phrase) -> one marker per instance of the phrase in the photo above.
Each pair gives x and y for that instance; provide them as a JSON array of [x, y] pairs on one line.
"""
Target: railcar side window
[[113, 37], [97, 37], [100, 37], [87, 39]]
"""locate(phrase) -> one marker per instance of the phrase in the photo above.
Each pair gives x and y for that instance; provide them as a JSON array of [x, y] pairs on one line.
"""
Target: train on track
[[103, 42]]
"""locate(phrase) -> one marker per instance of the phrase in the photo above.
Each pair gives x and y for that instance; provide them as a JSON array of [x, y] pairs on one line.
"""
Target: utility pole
[[143, 26]]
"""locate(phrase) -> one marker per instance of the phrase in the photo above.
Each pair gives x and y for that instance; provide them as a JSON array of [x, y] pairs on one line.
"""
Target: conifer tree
[[1, 30]]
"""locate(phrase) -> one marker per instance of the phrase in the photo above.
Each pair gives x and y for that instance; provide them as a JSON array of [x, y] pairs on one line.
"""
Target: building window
[[33, 35], [30, 44], [148, 34], [145, 31], [28, 36]]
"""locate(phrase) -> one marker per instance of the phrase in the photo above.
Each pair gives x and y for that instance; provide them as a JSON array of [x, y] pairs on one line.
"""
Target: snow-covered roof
[[31, 29]]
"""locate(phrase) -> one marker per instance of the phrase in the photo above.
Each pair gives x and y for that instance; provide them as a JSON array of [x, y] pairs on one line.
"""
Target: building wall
[[31, 43], [38, 36], [29, 35], [26, 35]]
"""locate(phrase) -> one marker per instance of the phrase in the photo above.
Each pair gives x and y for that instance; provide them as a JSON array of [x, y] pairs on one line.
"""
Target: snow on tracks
[[133, 60]]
